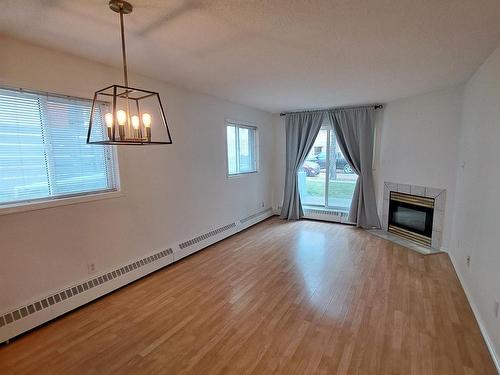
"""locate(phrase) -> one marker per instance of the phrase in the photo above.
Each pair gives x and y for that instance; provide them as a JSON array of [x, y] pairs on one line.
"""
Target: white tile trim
[[439, 196]]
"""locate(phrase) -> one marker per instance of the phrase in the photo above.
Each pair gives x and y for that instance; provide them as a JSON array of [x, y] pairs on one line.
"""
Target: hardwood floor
[[289, 298]]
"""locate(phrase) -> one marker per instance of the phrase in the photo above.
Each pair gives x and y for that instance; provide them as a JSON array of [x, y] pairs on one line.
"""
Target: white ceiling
[[276, 54]]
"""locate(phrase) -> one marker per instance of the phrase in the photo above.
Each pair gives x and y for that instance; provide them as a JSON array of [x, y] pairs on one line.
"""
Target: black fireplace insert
[[406, 212]]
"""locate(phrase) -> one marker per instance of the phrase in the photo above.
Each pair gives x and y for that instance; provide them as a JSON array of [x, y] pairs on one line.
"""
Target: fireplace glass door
[[411, 217]]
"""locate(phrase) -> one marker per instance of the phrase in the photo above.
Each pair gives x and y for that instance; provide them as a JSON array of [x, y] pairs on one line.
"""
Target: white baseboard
[[58, 302], [209, 238], [477, 315]]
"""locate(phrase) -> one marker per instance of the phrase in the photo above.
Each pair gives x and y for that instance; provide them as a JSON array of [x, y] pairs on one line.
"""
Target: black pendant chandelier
[[131, 116]]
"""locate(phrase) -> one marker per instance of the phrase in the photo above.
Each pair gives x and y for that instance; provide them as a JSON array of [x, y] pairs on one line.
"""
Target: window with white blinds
[[43, 150]]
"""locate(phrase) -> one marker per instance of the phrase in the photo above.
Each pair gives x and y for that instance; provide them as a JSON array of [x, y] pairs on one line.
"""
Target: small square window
[[241, 149]]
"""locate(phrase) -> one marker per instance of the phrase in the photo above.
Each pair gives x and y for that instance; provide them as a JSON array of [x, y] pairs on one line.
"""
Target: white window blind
[[43, 150], [241, 149]]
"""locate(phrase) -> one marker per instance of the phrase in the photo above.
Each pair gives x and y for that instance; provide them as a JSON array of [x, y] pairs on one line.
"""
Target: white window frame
[[325, 126], [329, 128], [244, 125], [69, 199]]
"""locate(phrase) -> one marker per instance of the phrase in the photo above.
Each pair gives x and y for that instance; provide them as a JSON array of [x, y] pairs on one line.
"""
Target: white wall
[[417, 144], [171, 192], [477, 203]]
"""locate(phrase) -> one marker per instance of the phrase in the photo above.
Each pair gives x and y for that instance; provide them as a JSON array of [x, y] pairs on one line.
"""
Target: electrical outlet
[[468, 260], [91, 268], [497, 307]]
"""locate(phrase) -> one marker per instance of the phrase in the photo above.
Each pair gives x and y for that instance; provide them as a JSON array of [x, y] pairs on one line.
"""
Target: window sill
[[239, 175], [50, 203]]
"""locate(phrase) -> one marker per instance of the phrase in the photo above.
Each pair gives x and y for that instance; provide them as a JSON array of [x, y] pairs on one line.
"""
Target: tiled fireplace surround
[[439, 196]]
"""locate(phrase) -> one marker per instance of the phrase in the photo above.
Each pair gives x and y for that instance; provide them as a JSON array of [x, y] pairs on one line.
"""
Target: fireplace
[[411, 216], [414, 214]]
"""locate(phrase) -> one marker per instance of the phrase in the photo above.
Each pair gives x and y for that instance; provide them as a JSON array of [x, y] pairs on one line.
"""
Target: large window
[[326, 179], [43, 150], [241, 149]]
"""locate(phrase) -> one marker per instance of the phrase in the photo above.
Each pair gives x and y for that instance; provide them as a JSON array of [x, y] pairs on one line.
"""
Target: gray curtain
[[301, 131], [354, 129]]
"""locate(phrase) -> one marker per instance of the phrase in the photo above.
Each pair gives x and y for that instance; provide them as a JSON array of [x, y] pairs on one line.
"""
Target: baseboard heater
[[52, 305], [325, 214]]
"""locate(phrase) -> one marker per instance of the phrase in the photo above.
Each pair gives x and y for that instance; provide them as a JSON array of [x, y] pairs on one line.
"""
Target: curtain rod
[[375, 106]]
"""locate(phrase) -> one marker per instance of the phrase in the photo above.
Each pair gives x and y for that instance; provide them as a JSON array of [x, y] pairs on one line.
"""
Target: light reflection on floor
[[310, 255], [318, 255]]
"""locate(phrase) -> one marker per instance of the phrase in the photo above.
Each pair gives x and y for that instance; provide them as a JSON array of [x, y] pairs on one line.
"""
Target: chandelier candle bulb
[[121, 117], [136, 126], [108, 119], [146, 120], [135, 122]]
